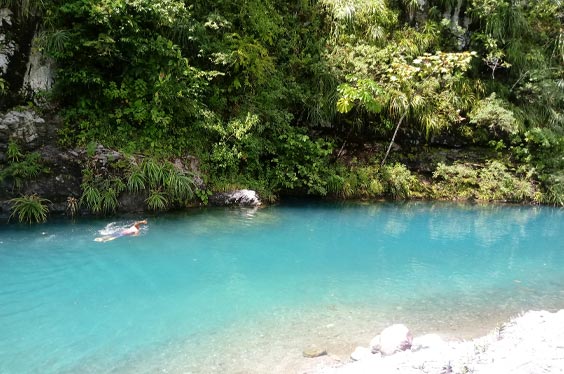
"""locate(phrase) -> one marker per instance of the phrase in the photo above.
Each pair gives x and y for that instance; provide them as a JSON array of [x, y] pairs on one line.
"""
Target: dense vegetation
[[270, 94]]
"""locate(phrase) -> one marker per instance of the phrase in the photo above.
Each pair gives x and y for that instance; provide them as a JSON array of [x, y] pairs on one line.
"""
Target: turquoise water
[[244, 290]]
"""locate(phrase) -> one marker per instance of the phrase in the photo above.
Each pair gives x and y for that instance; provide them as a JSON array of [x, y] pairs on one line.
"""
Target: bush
[[458, 181], [496, 183], [554, 189], [358, 182], [21, 167], [29, 208], [492, 182], [398, 181]]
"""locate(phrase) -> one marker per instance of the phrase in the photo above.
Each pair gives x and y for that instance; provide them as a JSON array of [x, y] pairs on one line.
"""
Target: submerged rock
[[314, 351]]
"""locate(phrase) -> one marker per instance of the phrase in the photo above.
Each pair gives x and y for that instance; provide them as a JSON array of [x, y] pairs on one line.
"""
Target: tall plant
[[29, 208]]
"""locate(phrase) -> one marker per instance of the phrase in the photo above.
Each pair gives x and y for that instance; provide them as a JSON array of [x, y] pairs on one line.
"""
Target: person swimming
[[133, 231]]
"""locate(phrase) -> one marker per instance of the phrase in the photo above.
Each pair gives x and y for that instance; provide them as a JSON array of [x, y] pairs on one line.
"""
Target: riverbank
[[530, 343]]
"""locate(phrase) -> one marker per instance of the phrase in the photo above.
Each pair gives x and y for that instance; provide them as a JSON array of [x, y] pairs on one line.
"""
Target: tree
[[430, 91]]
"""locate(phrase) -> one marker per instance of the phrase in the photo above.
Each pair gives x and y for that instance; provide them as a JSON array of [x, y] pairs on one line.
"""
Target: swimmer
[[133, 230]]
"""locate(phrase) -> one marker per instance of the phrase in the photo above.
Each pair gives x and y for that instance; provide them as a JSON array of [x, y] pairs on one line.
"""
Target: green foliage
[[301, 163], [365, 92], [21, 167], [372, 181], [164, 184], [100, 192], [136, 180], [554, 189], [13, 152], [490, 113], [398, 181], [494, 182], [29, 208], [136, 101], [24, 8], [430, 90], [4, 86], [157, 200], [456, 181], [203, 195], [258, 90], [357, 181]]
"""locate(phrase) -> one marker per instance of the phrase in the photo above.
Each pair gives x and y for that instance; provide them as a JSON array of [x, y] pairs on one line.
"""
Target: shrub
[[554, 189], [397, 180], [21, 167], [496, 183], [157, 200], [167, 184], [492, 182], [455, 181], [29, 208], [72, 206], [490, 113]]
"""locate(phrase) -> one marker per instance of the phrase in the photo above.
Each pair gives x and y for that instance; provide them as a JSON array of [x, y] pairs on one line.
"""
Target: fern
[[109, 200], [135, 180], [157, 200], [91, 198], [178, 186], [153, 173], [21, 171], [13, 152], [30, 208]]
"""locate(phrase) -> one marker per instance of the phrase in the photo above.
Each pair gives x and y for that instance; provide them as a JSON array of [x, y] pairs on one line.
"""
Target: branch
[[393, 138]]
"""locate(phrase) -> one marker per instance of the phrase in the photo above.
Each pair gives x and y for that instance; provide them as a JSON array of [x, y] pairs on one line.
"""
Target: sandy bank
[[530, 343]]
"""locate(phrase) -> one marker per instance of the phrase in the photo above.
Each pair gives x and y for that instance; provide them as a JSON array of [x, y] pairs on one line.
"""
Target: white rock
[[375, 344], [360, 353], [395, 338], [237, 197], [426, 341]]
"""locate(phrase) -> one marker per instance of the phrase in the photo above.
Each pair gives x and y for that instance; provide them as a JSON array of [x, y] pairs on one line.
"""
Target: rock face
[[25, 127], [237, 197], [61, 176], [16, 35], [395, 338], [39, 74]]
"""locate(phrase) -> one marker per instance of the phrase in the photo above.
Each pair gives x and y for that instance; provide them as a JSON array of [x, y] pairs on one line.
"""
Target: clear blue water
[[243, 290]]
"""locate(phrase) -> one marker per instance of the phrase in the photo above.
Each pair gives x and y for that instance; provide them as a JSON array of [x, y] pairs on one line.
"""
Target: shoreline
[[532, 342]]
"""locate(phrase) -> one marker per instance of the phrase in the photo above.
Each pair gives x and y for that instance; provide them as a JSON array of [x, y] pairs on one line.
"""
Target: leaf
[[344, 105]]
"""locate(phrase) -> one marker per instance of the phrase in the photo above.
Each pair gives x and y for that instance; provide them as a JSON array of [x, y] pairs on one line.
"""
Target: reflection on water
[[244, 290]]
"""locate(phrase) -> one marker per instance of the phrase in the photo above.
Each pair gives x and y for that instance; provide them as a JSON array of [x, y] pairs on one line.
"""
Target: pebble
[[314, 351]]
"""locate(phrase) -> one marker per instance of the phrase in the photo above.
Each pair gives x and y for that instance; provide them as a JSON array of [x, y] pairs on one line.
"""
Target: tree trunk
[[393, 138]]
